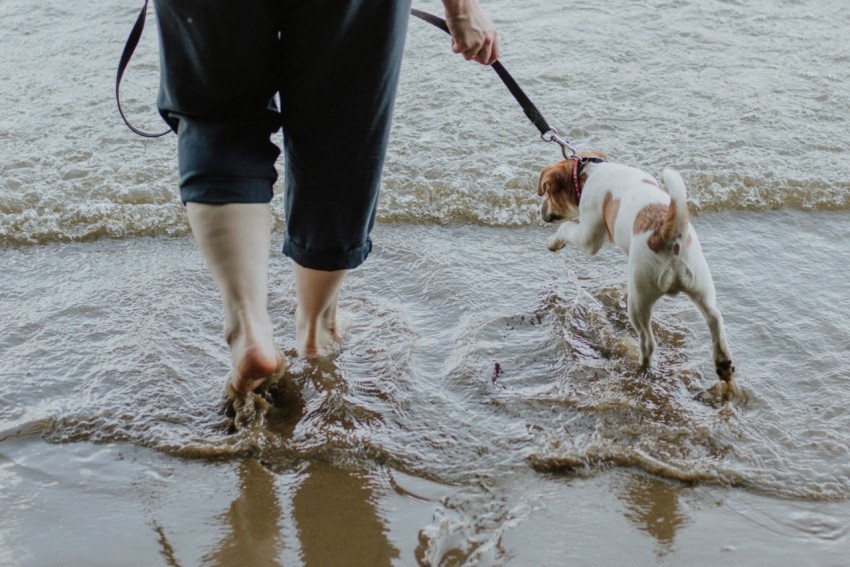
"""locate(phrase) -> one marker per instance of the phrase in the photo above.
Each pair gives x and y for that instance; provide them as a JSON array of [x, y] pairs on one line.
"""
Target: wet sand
[[87, 504]]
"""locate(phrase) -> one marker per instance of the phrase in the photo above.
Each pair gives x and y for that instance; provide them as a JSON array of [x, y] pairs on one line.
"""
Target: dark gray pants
[[335, 66]]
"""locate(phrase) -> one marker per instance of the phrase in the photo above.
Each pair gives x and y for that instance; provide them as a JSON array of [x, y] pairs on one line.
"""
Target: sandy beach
[[120, 504]]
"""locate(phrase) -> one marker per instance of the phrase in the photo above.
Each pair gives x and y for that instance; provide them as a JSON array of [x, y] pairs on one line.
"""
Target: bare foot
[[317, 292], [314, 338], [255, 359]]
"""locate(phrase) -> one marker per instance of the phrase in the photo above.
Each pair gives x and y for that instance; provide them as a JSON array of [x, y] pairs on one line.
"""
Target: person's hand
[[473, 33]]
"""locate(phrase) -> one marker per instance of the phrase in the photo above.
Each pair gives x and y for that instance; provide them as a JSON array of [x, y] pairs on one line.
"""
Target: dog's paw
[[725, 370], [556, 243]]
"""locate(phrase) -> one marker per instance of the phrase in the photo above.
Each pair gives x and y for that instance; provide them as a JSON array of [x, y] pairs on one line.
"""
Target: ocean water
[[474, 362]]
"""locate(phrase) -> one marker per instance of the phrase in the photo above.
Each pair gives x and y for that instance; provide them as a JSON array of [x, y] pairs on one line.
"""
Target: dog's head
[[558, 189]]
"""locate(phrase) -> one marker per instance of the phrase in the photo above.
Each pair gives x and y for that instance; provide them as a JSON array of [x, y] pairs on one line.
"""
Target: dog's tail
[[675, 186], [672, 235], [675, 224]]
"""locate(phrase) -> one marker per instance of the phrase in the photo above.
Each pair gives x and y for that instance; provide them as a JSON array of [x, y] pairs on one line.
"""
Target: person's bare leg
[[235, 240], [315, 318]]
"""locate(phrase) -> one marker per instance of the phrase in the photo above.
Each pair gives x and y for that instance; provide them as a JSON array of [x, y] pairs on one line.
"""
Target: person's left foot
[[254, 355]]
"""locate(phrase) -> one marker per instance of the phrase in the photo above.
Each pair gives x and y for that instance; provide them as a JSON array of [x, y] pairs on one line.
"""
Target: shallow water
[[748, 99], [483, 406], [468, 379]]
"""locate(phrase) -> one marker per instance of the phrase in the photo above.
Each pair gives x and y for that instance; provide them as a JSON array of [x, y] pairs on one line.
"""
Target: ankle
[[249, 333], [314, 335]]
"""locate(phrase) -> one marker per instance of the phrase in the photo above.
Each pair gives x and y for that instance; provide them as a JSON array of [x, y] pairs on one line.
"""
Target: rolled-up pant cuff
[[328, 262], [224, 191]]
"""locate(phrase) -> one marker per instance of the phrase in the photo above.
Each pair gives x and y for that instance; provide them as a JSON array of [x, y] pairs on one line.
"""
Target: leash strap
[[129, 48], [527, 106]]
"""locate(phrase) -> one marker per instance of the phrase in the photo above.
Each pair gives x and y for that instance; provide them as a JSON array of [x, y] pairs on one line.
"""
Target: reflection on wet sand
[[334, 513], [653, 506], [253, 521], [333, 509], [337, 520], [165, 548]]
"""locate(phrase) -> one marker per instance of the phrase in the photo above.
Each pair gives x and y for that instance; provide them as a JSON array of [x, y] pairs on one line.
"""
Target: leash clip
[[552, 136]]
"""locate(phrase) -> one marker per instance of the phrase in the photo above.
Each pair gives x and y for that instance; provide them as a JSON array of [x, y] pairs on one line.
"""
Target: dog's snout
[[549, 213]]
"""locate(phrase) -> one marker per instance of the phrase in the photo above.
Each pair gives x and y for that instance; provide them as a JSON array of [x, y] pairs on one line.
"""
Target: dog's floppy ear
[[554, 176]]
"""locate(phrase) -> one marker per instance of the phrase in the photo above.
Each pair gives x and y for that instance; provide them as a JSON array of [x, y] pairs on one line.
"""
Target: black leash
[[548, 133], [129, 48]]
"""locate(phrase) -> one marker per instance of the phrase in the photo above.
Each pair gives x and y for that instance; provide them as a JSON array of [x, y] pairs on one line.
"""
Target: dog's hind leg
[[640, 315], [722, 357], [702, 292], [643, 293]]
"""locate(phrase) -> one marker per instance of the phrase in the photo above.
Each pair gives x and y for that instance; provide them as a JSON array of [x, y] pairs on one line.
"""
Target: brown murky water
[[483, 407]]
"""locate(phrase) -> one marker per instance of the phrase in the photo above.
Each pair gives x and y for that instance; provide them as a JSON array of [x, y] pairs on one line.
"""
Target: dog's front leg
[[581, 235], [561, 236]]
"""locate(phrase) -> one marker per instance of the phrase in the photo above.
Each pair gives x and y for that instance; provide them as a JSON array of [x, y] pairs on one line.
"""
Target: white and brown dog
[[627, 206]]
